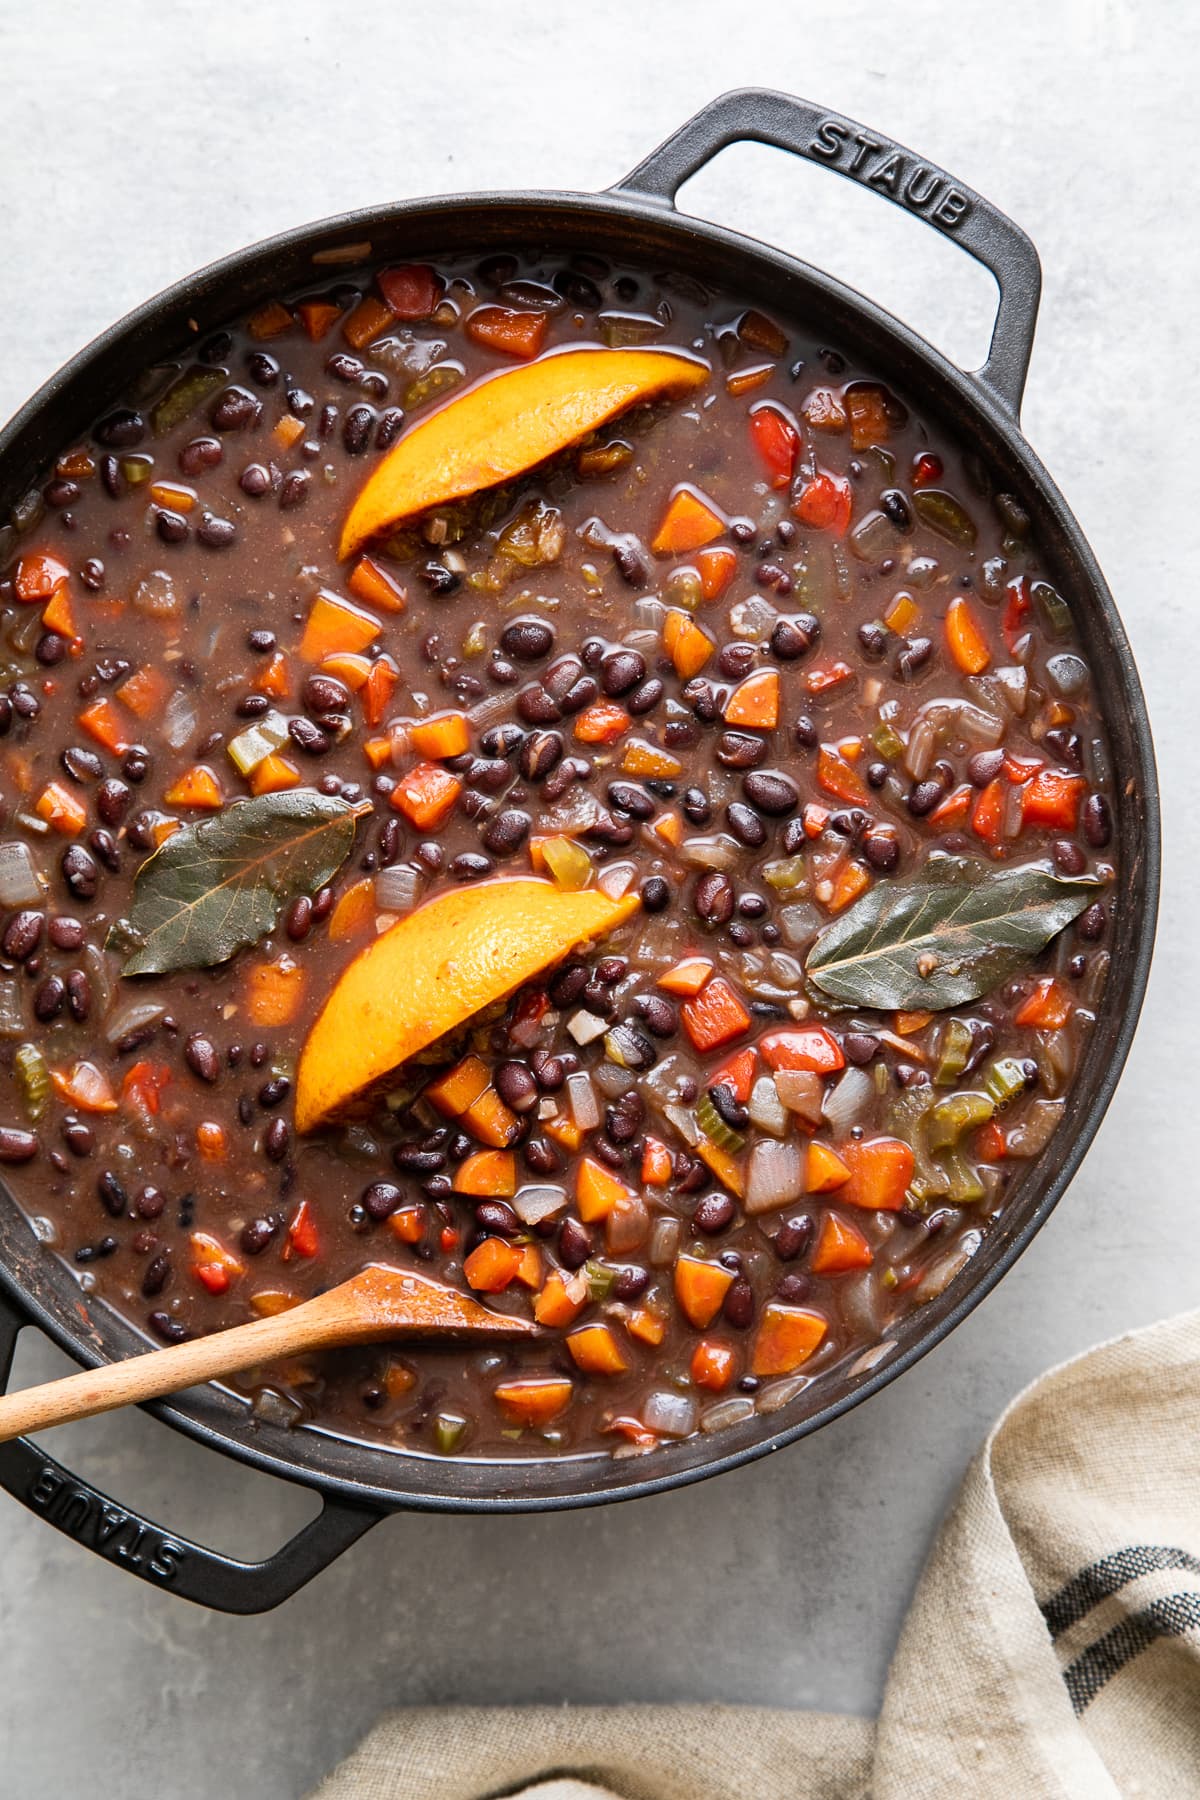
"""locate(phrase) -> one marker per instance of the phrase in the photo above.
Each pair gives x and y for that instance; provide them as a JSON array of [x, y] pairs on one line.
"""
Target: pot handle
[[765, 116], [163, 1559]]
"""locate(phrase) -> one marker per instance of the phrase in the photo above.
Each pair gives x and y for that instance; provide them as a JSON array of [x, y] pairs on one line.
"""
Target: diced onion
[[780, 1392], [616, 879], [257, 742], [753, 619], [612, 1079], [684, 1123], [718, 852], [533, 1204], [12, 1023], [802, 1091], [767, 1110], [397, 887], [665, 1237], [663, 1079], [585, 1109], [489, 711], [871, 1358], [671, 1415], [848, 1100], [179, 719], [799, 923], [19, 883], [586, 1027], [727, 1412], [775, 1176], [135, 1016]]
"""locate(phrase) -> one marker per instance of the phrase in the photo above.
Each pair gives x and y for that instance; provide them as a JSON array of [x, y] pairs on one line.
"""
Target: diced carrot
[[317, 317], [562, 1299], [366, 321], [965, 639], [601, 723], [657, 1163], [714, 1016], [700, 1288], [268, 1303], [143, 1086], [196, 787], [803, 1047], [713, 1364], [491, 1266], [716, 568], [104, 724], [86, 1087], [58, 614], [991, 1145], [724, 1166], [902, 613], [426, 795], [61, 809], [371, 583], [824, 676], [786, 1338], [448, 1239], [532, 1400], [274, 991], [409, 1223], [488, 1119], [349, 666], [377, 690], [488, 1175], [274, 775], [596, 1350], [754, 703], [1048, 1008], [39, 573], [287, 431], [686, 977], [824, 1170], [412, 290], [633, 1431], [1020, 769], [564, 1131], [744, 381], [851, 880], [815, 819], [738, 1074], [273, 678], [399, 1379], [335, 624], [530, 1270], [212, 1264], [866, 408], [211, 1142], [836, 776], [378, 751], [440, 736], [841, 1246], [508, 330], [777, 440], [302, 1236], [597, 1191], [1052, 799], [355, 910], [641, 758], [459, 1087], [163, 828], [824, 504], [669, 827], [987, 820], [690, 522], [909, 1022], [686, 644], [271, 320], [880, 1172], [954, 808], [648, 1326]]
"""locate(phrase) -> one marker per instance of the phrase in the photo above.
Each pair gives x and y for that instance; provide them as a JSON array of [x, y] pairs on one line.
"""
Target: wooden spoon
[[377, 1303]]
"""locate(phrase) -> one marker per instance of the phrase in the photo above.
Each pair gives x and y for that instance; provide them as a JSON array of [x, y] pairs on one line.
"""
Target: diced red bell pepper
[[714, 1016], [302, 1238], [1016, 609], [1052, 799], [1048, 1008], [808, 1047], [824, 504], [738, 1074], [987, 821], [412, 290], [777, 441]]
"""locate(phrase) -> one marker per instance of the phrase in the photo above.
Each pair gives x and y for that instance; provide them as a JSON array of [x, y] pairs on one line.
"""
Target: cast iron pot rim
[[623, 204]]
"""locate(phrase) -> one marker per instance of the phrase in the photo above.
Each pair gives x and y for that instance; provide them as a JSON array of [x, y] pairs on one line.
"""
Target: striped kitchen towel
[[1051, 1652]]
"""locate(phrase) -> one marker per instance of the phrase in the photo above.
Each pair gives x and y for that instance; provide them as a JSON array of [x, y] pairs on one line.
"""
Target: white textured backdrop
[[139, 140]]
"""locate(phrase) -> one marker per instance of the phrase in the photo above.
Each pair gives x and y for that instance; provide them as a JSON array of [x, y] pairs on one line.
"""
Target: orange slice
[[506, 424], [431, 972]]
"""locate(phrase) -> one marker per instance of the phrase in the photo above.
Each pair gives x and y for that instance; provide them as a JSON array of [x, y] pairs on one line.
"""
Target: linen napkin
[[1051, 1652]]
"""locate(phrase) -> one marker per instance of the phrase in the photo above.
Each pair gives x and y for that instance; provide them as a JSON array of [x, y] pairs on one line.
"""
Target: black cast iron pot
[[635, 221]]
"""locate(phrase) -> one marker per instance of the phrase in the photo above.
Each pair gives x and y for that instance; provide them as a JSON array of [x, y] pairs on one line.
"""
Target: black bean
[[381, 1199], [80, 1139], [1090, 924], [860, 1047], [112, 801], [738, 1309], [895, 506], [793, 638], [540, 752], [622, 671], [157, 1274], [736, 661], [645, 697], [913, 657], [581, 693], [1097, 821], [111, 478], [656, 894], [793, 1289], [771, 792], [92, 574], [697, 808], [170, 1330], [527, 639], [172, 527], [136, 765], [873, 640], [61, 493], [276, 1139], [470, 867], [540, 1157], [506, 831], [628, 797], [275, 1091], [49, 999], [216, 533], [793, 1238], [23, 934], [80, 872], [201, 454], [112, 1194], [121, 429], [516, 1086], [690, 1173], [498, 1217], [746, 825], [356, 429], [200, 1055], [630, 1284], [923, 796], [79, 995], [574, 1244], [51, 648], [881, 850], [752, 906], [6, 715], [633, 562], [713, 1214], [388, 429], [623, 1119], [308, 736], [713, 898], [984, 767], [738, 750], [17, 1146], [254, 480], [415, 1161], [104, 844]]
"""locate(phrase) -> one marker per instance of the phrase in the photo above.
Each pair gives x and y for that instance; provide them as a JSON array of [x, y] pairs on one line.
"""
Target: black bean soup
[[770, 656]]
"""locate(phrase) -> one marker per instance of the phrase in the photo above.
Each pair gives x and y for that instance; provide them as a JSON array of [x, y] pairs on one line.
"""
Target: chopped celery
[[599, 1279], [965, 1184], [1056, 614], [568, 862], [1005, 1080], [785, 874], [257, 742], [184, 396], [449, 1430], [714, 1127], [953, 1051], [33, 1079], [887, 742], [957, 1114]]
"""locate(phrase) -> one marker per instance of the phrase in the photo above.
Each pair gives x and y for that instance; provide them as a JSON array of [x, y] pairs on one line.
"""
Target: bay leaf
[[945, 939], [218, 885]]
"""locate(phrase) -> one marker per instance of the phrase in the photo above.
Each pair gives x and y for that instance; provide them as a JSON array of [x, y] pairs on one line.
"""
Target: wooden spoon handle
[[165, 1371]]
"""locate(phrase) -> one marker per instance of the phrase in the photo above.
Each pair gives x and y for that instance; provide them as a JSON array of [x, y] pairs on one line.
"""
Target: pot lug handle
[[764, 116], [164, 1559]]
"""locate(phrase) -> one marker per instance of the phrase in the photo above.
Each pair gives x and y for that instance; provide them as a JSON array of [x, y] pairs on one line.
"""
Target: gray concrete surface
[[140, 140]]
